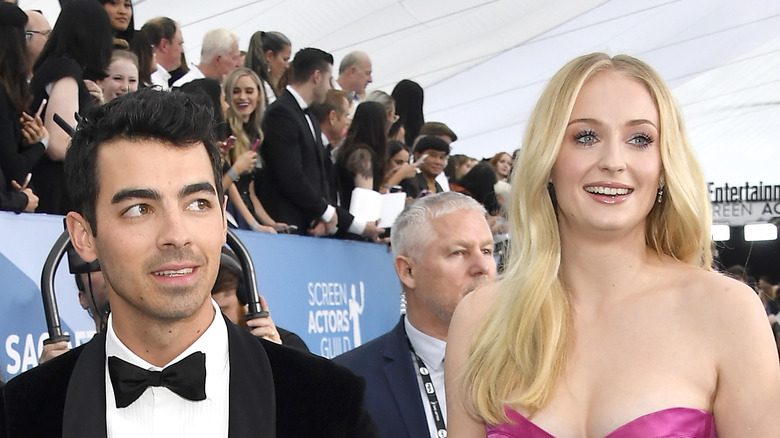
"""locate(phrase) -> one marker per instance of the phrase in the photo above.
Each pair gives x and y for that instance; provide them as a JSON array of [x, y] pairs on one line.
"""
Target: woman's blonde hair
[[518, 352], [233, 118]]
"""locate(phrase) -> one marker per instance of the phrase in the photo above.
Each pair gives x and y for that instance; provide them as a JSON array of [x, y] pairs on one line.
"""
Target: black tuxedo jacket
[[293, 182], [2, 410], [275, 391], [416, 184], [296, 184], [392, 392]]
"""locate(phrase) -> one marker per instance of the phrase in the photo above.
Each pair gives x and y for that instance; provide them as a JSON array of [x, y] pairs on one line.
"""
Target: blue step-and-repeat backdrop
[[335, 294]]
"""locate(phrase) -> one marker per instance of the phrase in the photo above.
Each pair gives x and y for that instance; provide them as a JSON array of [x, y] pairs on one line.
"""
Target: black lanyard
[[438, 417]]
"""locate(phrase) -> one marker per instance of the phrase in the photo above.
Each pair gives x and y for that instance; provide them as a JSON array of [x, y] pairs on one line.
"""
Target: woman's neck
[[593, 266]]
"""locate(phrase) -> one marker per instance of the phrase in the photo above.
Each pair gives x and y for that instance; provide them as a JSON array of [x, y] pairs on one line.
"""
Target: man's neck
[[305, 91], [160, 342], [341, 81], [168, 65], [333, 138], [426, 324], [210, 72]]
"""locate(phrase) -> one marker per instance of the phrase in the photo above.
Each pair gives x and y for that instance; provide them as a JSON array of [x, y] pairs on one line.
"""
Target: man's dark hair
[[307, 61], [174, 118], [158, 28]]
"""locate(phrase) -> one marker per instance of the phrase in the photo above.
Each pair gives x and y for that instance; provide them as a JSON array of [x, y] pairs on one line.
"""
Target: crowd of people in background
[[300, 134], [94, 54], [50, 77], [369, 139]]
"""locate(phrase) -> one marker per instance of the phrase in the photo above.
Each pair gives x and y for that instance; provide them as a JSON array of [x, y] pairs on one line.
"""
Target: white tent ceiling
[[483, 63]]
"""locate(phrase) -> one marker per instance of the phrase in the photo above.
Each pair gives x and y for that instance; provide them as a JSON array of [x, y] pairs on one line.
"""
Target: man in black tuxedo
[[295, 186], [145, 177]]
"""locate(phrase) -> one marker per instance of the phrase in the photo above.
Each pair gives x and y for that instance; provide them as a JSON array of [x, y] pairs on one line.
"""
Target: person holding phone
[[76, 55], [144, 171], [23, 138], [245, 107]]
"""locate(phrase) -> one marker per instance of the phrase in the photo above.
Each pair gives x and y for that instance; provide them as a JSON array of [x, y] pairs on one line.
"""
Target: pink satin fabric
[[668, 423]]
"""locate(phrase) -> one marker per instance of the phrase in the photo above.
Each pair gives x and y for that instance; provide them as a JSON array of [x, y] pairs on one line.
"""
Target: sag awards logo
[[334, 314]]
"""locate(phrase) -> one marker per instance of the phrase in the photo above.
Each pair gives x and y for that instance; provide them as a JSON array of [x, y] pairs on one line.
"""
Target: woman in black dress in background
[[23, 139], [76, 55]]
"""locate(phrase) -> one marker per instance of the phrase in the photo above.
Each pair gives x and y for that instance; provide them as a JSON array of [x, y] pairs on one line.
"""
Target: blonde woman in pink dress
[[609, 320]]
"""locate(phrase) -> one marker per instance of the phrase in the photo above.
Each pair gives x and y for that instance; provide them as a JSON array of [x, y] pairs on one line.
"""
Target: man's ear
[[316, 76], [81, 236], [405, 267], [332, 117], [83, 299]]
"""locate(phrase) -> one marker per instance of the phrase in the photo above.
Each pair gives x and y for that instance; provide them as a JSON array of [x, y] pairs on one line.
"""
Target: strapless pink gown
[[668, 423]]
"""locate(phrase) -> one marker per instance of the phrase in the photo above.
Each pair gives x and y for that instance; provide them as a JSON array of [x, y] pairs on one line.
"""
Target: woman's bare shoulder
[[717, 292], [474, 307], [727, 309], [482, 299]]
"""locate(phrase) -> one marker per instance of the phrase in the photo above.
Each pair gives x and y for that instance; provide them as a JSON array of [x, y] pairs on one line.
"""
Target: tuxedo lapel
[[289, 100], [252, 394], [312, 142], [84, 414], [402, 381], [322, 155]]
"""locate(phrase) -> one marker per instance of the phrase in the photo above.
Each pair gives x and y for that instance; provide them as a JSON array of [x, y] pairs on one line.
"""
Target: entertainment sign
[[737, 205]]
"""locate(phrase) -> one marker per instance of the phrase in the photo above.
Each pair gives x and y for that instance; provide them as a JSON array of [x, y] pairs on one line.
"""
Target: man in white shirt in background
[[165, 35], [219, 55], [355, 74]]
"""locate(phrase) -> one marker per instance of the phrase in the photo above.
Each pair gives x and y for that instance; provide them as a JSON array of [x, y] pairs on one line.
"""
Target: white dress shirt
[[160, 78], [431, 351], [190, 76], [160, 412], [443, 182]]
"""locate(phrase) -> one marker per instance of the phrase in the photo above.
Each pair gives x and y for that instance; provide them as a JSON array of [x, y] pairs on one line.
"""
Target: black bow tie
[[186, 378]]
